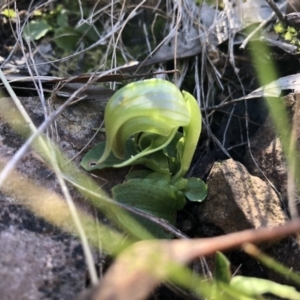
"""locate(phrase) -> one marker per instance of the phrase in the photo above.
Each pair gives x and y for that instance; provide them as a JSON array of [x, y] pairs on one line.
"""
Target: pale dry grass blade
[[45, 147]]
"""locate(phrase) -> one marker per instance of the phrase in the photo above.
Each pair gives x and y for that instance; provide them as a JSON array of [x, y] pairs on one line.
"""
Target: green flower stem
[[191, 134]]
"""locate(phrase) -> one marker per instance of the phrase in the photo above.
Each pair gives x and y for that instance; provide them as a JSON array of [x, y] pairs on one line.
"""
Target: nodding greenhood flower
[[152, 111]]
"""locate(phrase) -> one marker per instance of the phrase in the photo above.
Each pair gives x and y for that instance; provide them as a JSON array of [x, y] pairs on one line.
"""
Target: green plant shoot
[[153, 124]]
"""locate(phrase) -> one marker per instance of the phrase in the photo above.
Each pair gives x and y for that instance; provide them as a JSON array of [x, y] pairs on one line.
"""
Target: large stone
[[267, 160], [37, 266], [237, 201]]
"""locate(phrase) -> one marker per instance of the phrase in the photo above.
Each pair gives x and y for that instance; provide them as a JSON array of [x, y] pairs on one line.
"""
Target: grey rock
[[36, 266], [238, 201], [269, 161], [38, 260]]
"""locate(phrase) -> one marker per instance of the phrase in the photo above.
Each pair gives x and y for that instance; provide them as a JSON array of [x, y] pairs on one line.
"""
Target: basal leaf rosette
[[152, 110]]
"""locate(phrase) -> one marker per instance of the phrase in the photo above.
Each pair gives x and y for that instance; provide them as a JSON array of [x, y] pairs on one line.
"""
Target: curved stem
[[191, 134]]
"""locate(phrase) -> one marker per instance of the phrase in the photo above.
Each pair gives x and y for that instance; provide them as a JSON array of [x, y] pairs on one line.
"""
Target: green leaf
[[89, 161], [174, 156], [62, 18], [155, 196], [279, 27], [137, 174], [159, 176], [156, 161], [148, 174], [181, 183], [222, 268], [170, 150], [35, 30], [256, 286], [66, 38], [195, 190], [88, 31], [9, 13]]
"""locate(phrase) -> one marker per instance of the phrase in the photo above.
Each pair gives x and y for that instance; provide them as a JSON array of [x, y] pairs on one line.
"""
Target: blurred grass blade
[[272, 263], [258, 286]]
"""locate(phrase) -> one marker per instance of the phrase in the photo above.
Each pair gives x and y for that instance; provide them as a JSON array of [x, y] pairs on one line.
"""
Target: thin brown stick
[[276, 10], [140, 268]]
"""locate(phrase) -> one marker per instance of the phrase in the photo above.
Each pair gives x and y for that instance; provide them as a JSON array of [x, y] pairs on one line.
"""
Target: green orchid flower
[[150, 111], [151, 123]]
